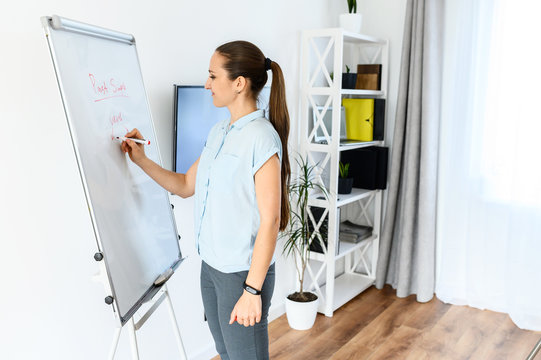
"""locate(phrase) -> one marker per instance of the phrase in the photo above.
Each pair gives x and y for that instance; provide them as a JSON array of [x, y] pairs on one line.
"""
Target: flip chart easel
[[103, 96]]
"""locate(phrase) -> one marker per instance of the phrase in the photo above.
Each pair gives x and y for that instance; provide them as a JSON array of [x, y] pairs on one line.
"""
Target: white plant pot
[[301, 315], [351, 22]]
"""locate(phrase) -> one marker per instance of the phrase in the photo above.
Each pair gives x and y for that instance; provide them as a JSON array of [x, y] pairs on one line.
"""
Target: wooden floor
[[378, 325]]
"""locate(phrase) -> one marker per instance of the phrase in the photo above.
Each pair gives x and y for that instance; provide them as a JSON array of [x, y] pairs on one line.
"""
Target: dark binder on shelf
[[368, 166], [379, 119]]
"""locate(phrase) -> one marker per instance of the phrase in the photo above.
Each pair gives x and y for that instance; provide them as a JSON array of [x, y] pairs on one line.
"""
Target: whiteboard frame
[[56, 23]]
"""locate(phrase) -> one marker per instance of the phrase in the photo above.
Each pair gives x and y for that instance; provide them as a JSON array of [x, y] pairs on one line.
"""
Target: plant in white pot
[[301, 306], [351, 21]]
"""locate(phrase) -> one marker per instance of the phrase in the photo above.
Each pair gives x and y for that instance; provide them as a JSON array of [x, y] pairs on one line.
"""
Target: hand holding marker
[[133, 144], [139, 141]]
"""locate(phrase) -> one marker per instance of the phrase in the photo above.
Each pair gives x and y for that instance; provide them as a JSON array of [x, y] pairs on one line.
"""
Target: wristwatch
[[250, 289]]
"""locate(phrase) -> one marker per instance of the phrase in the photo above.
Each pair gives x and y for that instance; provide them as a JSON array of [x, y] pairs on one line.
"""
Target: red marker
[[139, 141]]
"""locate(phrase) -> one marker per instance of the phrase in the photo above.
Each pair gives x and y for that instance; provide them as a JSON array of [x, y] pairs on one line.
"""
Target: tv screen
[[194, 116]]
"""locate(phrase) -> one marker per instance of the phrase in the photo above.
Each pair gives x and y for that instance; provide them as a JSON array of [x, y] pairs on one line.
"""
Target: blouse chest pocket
[[225, 170]]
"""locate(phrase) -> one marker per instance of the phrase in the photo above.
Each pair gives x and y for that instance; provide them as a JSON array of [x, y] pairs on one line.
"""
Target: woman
[[240, 186]]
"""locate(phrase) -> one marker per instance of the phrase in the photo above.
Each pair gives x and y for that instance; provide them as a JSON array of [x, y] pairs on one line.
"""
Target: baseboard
[[276, 311]]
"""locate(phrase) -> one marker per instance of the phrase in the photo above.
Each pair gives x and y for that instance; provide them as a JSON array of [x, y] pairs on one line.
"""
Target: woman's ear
[[239, 84]]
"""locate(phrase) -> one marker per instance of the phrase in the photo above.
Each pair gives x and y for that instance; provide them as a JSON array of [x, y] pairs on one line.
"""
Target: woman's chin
[[217, 103]]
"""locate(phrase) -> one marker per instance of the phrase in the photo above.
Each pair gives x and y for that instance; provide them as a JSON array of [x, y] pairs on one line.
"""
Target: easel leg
[[175, 326], [133, 340], [133, 327], [535, 350], [115, 343]]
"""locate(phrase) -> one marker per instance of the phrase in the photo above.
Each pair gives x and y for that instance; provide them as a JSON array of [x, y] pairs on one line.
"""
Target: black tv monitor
[[194, 116]]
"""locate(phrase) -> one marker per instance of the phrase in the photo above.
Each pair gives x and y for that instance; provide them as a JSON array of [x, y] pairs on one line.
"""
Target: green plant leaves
[[352, 6], [344, 170], [298, 234]]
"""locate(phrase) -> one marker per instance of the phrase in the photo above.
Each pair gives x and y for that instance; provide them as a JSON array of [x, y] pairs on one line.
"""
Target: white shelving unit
[[323, 54]]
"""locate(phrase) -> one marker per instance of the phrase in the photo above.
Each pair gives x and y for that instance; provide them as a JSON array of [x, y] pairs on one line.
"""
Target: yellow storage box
[[359, 119]]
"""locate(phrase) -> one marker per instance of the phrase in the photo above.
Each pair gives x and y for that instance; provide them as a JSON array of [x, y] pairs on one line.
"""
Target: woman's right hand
[[135, 151]]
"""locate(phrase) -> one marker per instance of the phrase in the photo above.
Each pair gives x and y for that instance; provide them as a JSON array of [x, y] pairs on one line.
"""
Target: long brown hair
[[245, 59]]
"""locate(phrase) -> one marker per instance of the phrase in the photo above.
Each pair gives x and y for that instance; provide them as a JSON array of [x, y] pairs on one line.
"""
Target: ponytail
[[279, 117], [245, 59]]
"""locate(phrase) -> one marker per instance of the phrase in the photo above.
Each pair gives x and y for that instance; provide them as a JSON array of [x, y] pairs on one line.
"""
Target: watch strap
[[251, 289]]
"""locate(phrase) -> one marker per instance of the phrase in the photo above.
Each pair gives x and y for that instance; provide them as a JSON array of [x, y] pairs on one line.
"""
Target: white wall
[[49, 308], [385, 19]]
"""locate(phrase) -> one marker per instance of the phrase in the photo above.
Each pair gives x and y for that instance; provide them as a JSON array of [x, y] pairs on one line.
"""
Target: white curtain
[[489, 181]]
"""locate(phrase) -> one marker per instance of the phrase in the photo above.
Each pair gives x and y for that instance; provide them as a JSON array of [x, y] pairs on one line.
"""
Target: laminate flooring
[[378, 325]]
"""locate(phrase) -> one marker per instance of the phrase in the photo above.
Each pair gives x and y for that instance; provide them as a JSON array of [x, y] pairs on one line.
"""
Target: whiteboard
[[103, 95]]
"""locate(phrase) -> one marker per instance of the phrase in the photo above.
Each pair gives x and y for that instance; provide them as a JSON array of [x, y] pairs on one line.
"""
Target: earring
[[238, 92]]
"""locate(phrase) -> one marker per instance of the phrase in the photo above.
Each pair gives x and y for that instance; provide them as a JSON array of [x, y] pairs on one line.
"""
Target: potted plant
[[348, 79], [345, 183], [351, 21], [301, 306]]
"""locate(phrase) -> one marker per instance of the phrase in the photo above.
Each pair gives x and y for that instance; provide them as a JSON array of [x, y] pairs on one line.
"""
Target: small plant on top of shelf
[[351, 21], [352, 6]]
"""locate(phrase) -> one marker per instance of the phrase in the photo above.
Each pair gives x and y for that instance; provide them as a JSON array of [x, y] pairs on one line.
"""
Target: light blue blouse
[[226, 213]]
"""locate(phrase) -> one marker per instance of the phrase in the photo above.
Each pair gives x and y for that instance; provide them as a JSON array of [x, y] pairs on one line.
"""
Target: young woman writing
[[240, 187]]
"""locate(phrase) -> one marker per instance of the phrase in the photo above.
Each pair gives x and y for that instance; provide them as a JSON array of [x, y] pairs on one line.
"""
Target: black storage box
[[368, 166]]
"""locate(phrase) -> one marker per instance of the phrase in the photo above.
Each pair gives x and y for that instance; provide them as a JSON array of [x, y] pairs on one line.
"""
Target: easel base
[[133, 327]]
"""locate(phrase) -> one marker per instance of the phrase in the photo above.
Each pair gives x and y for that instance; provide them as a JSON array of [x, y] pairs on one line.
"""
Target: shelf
[[317, 89], [378, 93], [358, 146], [345, 147], [345, 248], [348, 36], [327, 90], [352, 37], [343, 199], [346, 287], [356, 194]]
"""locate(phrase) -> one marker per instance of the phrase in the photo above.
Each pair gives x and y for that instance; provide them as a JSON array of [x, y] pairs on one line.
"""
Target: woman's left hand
[[247, 310]]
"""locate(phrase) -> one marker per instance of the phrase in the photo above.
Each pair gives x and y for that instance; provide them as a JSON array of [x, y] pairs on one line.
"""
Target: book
[[368, 77], [354, 233]]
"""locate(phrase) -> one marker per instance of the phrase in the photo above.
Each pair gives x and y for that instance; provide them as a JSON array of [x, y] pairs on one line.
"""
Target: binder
[[359, 119], [379, 119], [368, 166]]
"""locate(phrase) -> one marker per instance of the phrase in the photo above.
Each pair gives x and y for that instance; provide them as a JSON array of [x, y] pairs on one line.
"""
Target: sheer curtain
[[489, 189]]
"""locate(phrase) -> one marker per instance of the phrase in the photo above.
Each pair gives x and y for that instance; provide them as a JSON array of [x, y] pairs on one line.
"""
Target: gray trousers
[[220, 292]]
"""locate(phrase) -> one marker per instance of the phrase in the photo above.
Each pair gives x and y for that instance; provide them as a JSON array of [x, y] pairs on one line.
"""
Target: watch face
[[250, 290]]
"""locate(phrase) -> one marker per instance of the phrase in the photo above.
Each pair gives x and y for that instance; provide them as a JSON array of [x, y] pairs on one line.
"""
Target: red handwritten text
[[107, 89], [115, 119]]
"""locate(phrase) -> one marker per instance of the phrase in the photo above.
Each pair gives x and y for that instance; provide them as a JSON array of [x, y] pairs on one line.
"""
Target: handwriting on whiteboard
[[116, 119], [107, 89]]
